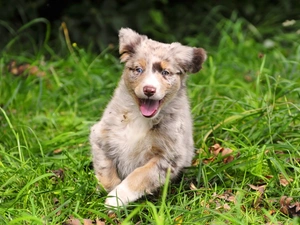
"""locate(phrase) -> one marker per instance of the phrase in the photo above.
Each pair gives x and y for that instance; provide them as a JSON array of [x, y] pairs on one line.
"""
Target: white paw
[[114, 199], [121, 196]]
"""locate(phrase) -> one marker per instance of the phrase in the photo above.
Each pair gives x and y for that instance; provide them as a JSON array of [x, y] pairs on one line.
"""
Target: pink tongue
[[149, 107]]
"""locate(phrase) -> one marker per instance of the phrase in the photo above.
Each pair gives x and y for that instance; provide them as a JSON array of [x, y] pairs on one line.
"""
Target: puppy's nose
[[149, 91]]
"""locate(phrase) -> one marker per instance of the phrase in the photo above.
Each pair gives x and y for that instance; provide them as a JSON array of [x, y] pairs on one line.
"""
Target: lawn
[[246, 108]]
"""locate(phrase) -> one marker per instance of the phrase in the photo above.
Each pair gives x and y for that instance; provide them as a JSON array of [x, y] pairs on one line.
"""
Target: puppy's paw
[[114, 200], [121, 196]]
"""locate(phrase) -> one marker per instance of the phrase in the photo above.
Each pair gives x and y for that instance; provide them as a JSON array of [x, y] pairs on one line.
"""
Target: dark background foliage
[[94, 23]]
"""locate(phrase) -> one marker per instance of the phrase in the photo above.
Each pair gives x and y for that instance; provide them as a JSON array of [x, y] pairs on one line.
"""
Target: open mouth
[[149, 107]]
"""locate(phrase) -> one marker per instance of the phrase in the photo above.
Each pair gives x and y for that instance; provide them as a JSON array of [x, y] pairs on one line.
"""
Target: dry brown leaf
[[34, 70], [217, 150], [292, 210], [59, 173], [112, 214], [73, 221], [87, 222], [261, 191], [284, 182], [284, 204], [218, 205], [227, 196], [269, 176], [260, 55], [277, 223], [226, 206], [195, 162], [231, 199], [227, 152], [57, 151], [24, 69], [193, 187], [248, 78], [55, 201], [208, 160]]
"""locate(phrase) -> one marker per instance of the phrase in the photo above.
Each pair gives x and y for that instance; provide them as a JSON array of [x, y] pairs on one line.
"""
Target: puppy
[[146, 129]]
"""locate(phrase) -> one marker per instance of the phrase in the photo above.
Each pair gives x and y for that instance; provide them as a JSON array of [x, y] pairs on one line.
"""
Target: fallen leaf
[[58, 175], [260, 55], [226, 206], [218, 206], [227, 152], [73, 221], [231, 199], [112, 214], [277, 223], [248, 78], [261, 191], [55, 201], [227, 196], [292, 210], [87, 222], [208, 160], [217, 150], [24, 69], [57, 151], [193, 187], [195, 162], [285, 181]]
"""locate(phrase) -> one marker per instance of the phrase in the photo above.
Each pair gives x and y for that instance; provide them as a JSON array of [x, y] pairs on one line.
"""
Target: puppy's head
[[154, 71]]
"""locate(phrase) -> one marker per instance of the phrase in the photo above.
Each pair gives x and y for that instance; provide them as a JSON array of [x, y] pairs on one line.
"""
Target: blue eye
[[165, 72], [139, 70]]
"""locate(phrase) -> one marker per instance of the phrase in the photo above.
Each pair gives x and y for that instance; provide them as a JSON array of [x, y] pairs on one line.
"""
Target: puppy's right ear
[[128, 43]]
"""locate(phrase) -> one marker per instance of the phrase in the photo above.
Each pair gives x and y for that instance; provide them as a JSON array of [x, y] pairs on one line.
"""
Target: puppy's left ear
[[198, 58], [129, 41], [188, 58]]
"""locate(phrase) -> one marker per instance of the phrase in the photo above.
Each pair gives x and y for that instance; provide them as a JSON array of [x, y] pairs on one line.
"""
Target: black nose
[[149, 91]]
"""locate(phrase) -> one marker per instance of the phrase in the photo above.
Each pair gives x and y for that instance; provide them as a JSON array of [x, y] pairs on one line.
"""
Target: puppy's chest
[[132, 135]]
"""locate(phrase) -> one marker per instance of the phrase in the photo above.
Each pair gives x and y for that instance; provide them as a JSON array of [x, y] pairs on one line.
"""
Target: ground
[[245, 104]]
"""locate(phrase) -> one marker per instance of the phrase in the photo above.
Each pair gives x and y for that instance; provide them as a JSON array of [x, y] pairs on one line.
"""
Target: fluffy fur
[[146, 128]]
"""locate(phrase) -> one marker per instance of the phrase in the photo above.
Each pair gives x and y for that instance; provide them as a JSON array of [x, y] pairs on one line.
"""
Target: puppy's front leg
[[142, 180], [107, 174], [105, 170]]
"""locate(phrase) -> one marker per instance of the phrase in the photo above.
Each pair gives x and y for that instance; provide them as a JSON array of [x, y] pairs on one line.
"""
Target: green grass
[[246, 98]]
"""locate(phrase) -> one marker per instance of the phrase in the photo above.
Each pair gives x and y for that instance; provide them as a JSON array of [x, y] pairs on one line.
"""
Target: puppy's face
[[154, 71]]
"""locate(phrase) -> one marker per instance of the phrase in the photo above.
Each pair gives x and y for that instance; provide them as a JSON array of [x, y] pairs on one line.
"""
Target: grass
[[246, 99]]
